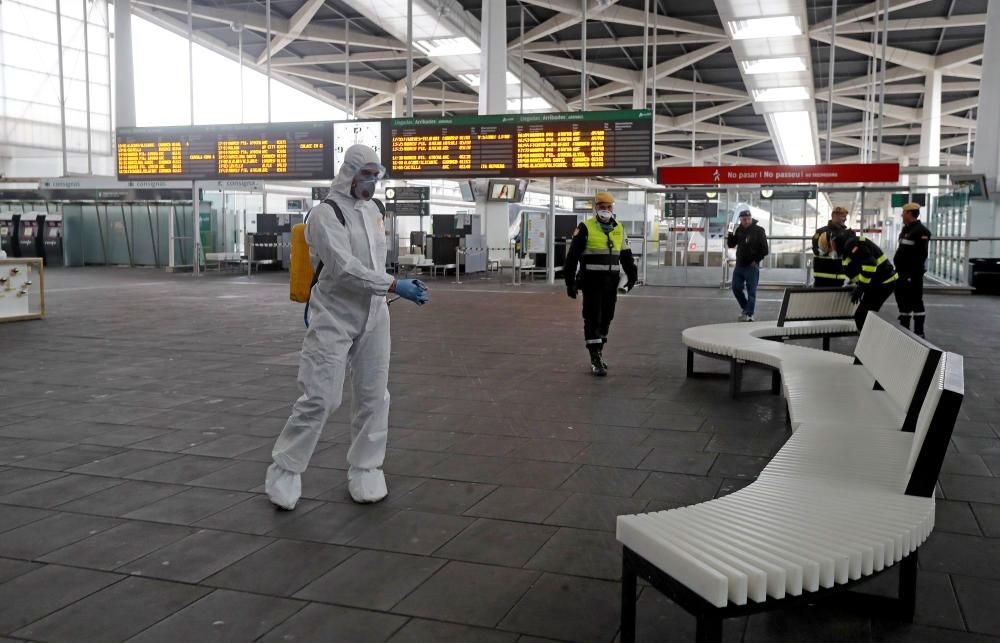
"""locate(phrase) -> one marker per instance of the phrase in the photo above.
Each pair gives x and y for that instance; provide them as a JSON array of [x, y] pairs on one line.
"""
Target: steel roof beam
[[593, 69], [609, 43], [279, 26], [869, 10], [296, 24], [337, 59], [913, 24]]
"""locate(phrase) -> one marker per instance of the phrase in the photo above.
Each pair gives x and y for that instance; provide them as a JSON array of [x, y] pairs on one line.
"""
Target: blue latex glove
[[412, 289]]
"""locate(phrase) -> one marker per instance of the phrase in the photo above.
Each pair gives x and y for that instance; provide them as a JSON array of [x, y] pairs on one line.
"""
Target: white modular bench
[[806, 313], [845, 498]]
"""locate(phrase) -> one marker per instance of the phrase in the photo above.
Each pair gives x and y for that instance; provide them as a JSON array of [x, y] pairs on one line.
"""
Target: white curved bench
[[846, 496]]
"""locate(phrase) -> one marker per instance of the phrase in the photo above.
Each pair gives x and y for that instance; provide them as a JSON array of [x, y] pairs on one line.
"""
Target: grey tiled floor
[[136, 423]]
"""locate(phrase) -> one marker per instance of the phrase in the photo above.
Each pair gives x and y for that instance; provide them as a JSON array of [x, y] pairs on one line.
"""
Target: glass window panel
[[20, 18], [31, 86], [23, 52]]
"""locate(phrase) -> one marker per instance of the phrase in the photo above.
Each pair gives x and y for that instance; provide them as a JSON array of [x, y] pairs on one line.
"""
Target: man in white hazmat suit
[[348, 327]]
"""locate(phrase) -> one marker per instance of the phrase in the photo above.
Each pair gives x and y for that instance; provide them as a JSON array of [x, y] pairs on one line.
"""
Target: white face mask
[[605, 216]]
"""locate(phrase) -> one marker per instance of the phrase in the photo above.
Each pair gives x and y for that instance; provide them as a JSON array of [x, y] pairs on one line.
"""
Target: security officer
[[869, 269], [828, 271], [910, 258], [599, 245]]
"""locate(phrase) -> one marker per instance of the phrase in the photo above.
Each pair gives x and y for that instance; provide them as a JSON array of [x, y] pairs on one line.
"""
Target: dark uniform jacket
[[911, 255], [579, 255], [865, 264], [824, 266], [750, 244]]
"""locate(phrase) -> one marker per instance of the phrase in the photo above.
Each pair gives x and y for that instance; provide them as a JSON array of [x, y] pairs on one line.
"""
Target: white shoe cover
[[366, 485], [283, 487]]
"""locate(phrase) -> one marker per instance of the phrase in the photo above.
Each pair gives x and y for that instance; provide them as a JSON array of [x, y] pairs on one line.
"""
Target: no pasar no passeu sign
[[768, 174]]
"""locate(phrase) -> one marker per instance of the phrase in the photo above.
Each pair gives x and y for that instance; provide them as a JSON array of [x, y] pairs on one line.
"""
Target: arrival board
[[210, 152], [519, 145]]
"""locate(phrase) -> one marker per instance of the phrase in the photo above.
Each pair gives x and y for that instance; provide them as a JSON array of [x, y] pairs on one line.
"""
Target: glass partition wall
[[685, 232]]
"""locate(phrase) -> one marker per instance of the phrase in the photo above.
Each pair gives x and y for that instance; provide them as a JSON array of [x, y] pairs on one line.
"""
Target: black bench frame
[[921, 483]]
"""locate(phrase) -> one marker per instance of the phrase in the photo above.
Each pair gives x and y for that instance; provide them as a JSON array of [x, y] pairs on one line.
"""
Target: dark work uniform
[[867, 266], [910, 260], [599, 255], [828, 272]]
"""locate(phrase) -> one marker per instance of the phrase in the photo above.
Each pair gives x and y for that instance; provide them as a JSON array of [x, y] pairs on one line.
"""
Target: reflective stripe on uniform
[[594, 341], [881, 260], [863, 279], [828, 275], [891, 279], [907, 242], [600, 267]]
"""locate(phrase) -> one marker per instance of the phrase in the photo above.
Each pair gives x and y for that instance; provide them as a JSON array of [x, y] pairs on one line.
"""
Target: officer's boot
[[904, 321], [918, 325], [596, 364]]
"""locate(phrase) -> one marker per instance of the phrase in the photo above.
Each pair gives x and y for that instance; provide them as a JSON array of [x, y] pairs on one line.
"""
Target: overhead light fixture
[[773, 65], [794, 138], [780, 93], [765, 27], [438, 47]]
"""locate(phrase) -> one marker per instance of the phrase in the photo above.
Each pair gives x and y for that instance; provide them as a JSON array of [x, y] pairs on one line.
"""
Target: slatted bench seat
[[806, 313], [839, 502]]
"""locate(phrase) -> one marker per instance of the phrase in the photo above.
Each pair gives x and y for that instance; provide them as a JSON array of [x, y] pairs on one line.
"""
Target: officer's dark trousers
[[910, 300], [600, 294], [822, 282], [873, 299]]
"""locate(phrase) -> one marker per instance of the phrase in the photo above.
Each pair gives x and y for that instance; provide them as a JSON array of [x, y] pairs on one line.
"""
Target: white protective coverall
[[348, 327]]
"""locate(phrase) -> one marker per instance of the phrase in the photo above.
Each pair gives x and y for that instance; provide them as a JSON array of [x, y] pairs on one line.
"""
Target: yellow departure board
[[564, 144], [247, 151]]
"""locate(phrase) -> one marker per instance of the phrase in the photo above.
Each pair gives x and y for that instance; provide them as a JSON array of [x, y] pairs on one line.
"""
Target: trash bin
[[984, 275]]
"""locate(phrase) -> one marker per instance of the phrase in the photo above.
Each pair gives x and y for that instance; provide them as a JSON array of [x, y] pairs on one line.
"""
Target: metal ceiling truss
[[688, 51]]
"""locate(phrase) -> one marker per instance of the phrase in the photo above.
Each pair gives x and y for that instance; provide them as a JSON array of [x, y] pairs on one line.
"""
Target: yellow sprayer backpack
[[302, 277]]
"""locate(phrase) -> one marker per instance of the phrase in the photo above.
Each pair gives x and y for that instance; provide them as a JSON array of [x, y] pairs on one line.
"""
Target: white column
[[638, 100], [494, 220], [124, 76], [397, 105], [984, 217], [930, 127]]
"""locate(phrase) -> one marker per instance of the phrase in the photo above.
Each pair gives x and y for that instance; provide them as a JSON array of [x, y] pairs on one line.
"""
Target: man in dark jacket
[[750, 242], [827, 271], [868, 269], [910, 260]]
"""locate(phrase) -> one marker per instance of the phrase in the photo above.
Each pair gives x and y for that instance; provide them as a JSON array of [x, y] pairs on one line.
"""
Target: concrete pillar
[[930, 127], [984, 217], [124, 75], [638, 100], [398, 107], [493, 59], [494, 218]]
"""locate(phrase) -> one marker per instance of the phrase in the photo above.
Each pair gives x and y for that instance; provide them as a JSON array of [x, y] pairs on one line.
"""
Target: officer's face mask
[[363, 186], [605, 213]]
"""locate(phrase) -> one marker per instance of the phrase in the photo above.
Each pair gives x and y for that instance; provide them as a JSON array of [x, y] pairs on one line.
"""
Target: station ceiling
[[700, 68]]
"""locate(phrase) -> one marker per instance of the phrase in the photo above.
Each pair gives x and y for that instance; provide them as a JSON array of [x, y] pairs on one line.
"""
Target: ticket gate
[[27, 235], [51, 238], [8, 227]]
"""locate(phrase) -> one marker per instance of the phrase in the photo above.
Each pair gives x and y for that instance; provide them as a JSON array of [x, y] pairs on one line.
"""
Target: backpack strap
[[379, 205], [319, 266]]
